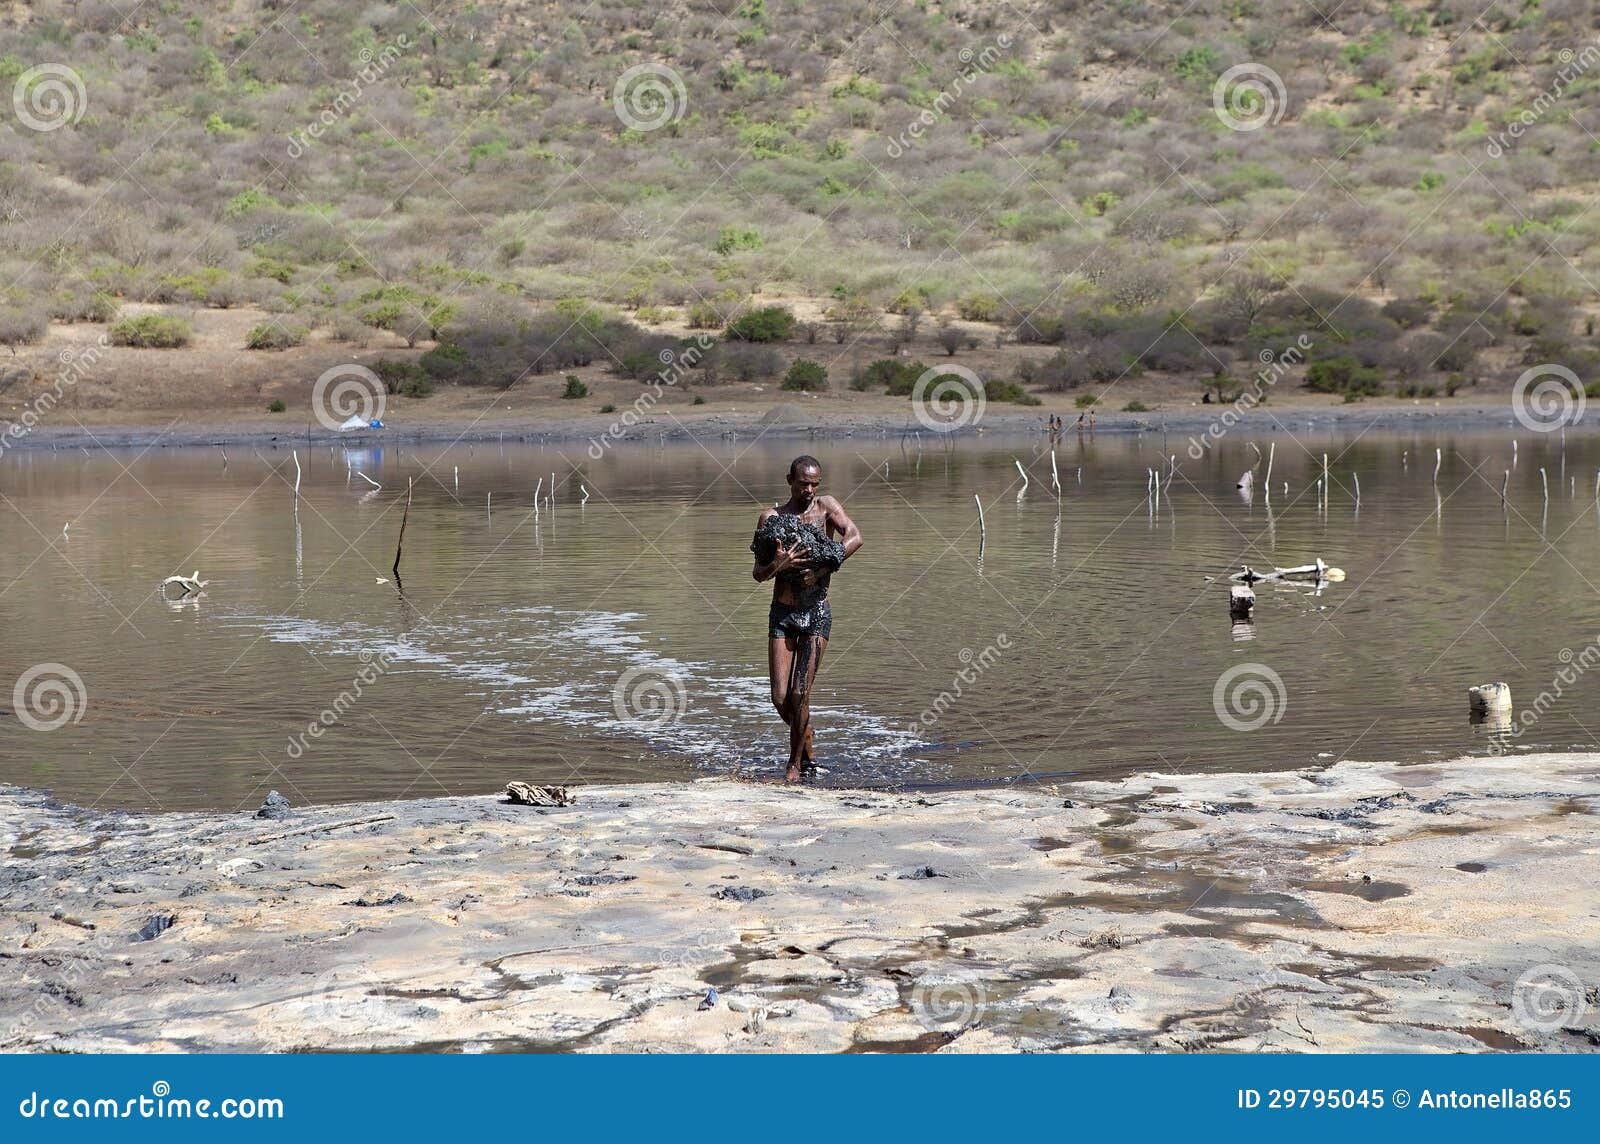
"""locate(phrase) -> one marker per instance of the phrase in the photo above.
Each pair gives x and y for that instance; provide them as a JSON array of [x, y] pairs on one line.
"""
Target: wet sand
[[1369, 906]]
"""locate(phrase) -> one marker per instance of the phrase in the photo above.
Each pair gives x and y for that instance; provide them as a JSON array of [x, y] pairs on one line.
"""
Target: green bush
[[897, 377], [1009, 391], [1136, 407], [1085, 400], [806, 376], [704, 316], [396, 374], [276, 407], [575, 388], [1343, 375], [271, 336], [608, 408], [152, 331], [736, 238], [768, 324], [979, 308]]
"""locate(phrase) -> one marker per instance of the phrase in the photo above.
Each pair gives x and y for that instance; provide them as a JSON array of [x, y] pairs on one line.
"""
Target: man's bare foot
[[792, 775]]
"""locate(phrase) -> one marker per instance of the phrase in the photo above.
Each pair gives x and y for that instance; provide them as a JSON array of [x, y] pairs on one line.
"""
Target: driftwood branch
[[405, 516]]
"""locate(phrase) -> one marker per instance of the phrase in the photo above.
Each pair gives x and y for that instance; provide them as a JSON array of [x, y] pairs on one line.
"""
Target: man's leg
[[818, 646], [780, 666], [800, 710]]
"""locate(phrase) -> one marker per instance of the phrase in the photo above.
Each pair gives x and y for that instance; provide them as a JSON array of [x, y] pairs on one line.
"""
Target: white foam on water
[[595, 672]]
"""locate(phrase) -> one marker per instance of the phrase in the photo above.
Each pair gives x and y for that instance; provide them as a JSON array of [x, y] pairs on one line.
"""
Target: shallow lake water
[[623, 638]]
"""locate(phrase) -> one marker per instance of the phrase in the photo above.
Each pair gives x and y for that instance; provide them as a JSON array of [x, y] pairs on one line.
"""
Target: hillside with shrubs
[[1073, 191]]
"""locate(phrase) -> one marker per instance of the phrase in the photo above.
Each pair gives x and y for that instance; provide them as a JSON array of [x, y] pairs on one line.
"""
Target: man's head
[[805, 478]]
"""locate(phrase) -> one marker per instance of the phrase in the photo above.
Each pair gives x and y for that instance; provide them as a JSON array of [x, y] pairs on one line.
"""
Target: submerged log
[[1489, 699], [1241, 600], [1490, 706]]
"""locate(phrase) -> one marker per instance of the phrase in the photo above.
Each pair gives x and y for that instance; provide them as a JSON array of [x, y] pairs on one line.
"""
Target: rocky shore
[[1370, 906]]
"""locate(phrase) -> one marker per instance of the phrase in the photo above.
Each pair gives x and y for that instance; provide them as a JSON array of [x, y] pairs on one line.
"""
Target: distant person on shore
[[795, 546]]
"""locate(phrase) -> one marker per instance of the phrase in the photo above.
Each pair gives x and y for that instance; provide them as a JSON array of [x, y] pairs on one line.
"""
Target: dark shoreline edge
[[599, 431]]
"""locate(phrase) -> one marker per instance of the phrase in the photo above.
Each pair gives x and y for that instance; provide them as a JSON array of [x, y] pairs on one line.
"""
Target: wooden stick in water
[[1272, 450], [1545, 481], [1357, 477], [399, 543], [1506, 481], [1024, 473], [1055, 476], [983, 532], [296, 455], [1438, 459]]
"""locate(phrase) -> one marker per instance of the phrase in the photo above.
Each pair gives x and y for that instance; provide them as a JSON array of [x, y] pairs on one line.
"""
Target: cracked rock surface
[[1369, 906]]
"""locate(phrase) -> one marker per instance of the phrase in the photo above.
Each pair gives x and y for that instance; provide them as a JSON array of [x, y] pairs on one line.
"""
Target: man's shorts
[[784, 620]]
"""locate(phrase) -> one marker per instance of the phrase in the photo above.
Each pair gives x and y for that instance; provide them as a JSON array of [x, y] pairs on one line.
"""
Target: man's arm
[[839, 522]]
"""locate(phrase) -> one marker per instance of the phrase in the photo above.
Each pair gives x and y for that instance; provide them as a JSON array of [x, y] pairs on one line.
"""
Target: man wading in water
[[800, 620]]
